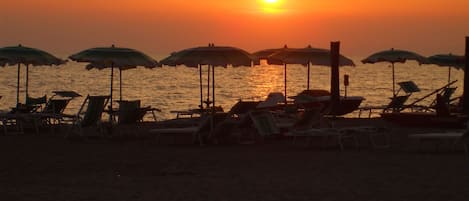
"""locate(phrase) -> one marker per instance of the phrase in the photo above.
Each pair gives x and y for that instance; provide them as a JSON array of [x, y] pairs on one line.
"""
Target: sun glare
[[270, 1], [271, 6]]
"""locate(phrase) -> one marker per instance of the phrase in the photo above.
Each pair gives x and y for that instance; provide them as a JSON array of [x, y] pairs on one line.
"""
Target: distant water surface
[[177, 88]]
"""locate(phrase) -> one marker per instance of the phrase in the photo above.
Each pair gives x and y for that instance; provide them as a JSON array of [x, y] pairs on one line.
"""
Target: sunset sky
[[161, 26]]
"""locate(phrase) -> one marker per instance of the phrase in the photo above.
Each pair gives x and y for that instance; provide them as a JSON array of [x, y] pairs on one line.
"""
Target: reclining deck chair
[[130, 112], [312, 124], [397, 102], [454, 138], [53, 111], [197, 131], [264, 123], [34, 104], [445, 92], [89, 114]]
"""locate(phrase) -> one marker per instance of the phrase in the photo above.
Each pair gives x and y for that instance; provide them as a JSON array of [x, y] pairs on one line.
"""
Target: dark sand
[[48, 167]]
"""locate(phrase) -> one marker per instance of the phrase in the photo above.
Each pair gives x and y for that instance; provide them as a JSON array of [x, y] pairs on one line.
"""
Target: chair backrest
[[242, 107], [264, 123], [397, 102], [272, 100], [409, 87], [94, 109], [129, 112], [56, 106], [448, 92], [36, 103], [206, 120]]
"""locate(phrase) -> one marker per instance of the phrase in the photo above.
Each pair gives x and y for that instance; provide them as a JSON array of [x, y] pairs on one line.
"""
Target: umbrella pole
[[308, 75], [393, 81], [201, 90], [18, 87], [27, 80], [120, 84], [213, 89], [208, 87], [285, 85], [110, 98], [449, 75], [212, 124]]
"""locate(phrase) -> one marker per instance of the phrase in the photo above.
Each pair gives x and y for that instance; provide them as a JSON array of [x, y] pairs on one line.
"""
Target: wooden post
[[466, 81], [335, 83]]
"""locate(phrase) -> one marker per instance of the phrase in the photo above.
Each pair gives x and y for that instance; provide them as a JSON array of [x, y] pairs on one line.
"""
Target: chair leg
[[5, 131], [339, 141], [199, 137]]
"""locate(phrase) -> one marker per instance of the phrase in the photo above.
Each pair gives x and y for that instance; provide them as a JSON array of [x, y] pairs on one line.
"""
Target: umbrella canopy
[[264, 54], [212, 56], [448, 60], [16, 55], [114, 57], [305, 56], [395, 56]]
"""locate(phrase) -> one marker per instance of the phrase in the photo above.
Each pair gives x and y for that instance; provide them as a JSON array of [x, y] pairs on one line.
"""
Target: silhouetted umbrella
[[305, 56], [264, 54], [16, 55], [212, 56], [395, 56], [114, 57], [448, 60]]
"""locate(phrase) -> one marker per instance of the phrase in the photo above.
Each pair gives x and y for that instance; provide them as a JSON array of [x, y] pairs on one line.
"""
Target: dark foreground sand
[[47, 167]]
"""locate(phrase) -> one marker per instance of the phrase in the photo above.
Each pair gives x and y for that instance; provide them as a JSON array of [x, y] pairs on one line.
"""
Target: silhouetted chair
[[33, 104], [89, 115], [203, 124], [395, 105]]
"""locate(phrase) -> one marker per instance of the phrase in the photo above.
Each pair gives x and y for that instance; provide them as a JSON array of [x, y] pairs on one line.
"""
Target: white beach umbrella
[[395, 56], [448, 60], [114, 57], [211, 56], [17, 55], [305, 56]]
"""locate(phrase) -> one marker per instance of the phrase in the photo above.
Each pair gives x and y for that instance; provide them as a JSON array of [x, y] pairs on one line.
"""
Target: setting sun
[[271, 6], [270, 1]]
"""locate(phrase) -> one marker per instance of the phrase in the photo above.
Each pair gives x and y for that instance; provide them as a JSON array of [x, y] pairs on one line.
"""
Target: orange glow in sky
[[163, 26]]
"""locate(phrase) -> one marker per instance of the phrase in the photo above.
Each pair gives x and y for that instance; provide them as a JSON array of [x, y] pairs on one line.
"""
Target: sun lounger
[[194, 131], [378, 137], [395, 105], [445, 92], [312, 124], [130, 112], [264, 123], [36, 113], [88, 116], [454, 138], [397, 102]]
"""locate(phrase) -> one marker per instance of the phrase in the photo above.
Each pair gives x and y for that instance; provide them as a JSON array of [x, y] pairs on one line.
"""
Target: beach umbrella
[[448, 60], [305, 56], [395, 56], [114, 57], [17, 55], [264, 54], [211, 56]]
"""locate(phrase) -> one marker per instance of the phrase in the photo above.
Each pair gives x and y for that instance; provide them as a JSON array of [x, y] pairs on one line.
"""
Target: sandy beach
[[49, 167]]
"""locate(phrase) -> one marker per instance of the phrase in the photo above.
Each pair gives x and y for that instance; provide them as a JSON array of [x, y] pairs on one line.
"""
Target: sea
[[177, 88]]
